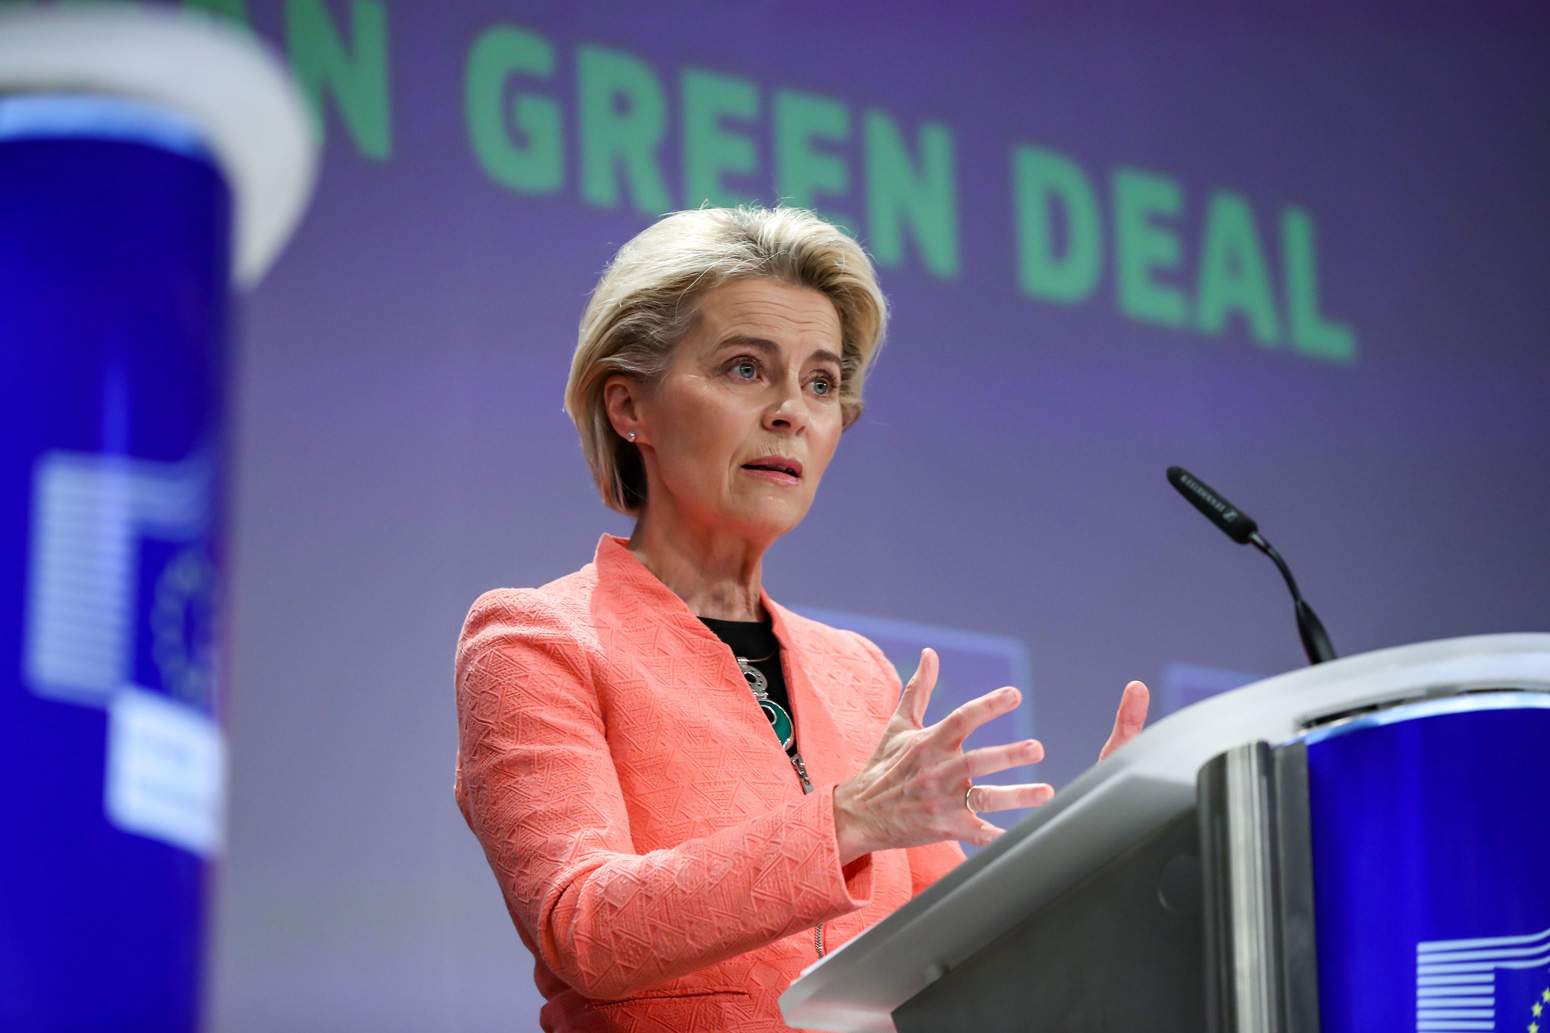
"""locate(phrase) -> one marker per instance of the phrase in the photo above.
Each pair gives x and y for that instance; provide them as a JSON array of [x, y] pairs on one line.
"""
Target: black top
[[755, 642]]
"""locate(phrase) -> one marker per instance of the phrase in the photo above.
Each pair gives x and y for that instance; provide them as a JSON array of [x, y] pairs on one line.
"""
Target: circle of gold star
[[1538, 1010]]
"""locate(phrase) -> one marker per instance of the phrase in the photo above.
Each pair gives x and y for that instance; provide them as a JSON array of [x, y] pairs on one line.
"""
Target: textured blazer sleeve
[[927, 863], [538, 788]]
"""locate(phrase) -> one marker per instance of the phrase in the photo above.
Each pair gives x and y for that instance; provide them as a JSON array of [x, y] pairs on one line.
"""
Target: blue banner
[[1431, 858]]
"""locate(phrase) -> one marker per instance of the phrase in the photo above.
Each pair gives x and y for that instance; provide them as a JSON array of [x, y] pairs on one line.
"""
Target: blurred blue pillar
[[114, 271], [123, 225]]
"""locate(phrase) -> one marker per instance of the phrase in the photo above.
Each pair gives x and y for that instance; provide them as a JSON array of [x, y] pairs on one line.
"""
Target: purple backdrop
[[402, 446]]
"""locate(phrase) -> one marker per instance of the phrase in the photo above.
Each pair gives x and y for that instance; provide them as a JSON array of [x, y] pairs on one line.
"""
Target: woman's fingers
[[1011, 798], [989, 759], [1130, 719], [917, 775], [917, 692], [953, 729], [981, 833], [986, 834]]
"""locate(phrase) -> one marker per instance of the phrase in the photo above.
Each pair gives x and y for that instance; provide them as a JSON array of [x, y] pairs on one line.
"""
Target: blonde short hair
[[647, 299]]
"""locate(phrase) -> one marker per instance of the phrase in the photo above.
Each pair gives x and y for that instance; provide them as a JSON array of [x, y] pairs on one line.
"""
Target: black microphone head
[[1218, 510]]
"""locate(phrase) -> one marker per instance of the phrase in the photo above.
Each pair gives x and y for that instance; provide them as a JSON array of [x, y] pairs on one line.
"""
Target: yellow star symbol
[[1546, 996], [1533, 1027], [1537, 1009]]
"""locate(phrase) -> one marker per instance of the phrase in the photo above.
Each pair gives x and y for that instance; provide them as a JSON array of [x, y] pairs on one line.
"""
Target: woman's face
[[737, 435]]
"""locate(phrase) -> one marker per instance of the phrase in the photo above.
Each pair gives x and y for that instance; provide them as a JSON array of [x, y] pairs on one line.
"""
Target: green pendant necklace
[[759, 685]]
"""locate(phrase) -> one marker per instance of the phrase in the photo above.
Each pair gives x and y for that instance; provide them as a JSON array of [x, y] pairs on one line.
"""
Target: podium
[[1358, 846]]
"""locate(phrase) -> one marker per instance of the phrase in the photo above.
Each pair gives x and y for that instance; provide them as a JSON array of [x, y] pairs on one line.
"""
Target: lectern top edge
[[1137, 790]]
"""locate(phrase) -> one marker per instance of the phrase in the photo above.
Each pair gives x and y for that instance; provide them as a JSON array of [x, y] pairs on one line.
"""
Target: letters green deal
[[533, 111]]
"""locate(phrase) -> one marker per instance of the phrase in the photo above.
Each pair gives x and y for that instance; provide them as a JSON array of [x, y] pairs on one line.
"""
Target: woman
[[687, 792]]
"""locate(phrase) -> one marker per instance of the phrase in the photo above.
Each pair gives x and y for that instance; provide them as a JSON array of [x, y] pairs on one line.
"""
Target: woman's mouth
[[780, 469]]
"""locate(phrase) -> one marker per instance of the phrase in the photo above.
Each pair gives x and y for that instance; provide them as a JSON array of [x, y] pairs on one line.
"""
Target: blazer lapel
[[655, 622], [822, 747]]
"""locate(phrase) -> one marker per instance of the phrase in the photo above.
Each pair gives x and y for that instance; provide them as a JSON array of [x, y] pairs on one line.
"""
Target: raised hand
[[1130, 719], [912, 790]]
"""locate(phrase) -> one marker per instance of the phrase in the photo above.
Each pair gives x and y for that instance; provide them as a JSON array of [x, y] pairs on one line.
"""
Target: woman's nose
[[787, 411]]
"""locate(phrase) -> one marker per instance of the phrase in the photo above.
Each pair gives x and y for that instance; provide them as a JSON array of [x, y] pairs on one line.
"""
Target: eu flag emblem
[[1499, 984]]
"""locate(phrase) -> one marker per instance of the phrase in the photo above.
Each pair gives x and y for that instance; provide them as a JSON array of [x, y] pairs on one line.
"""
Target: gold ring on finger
[[966, 802]]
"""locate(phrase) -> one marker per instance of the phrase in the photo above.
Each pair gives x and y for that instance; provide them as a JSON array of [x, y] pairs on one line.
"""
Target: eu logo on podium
[[1497, 983]]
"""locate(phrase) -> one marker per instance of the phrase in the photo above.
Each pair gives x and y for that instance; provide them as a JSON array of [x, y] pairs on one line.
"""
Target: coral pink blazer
[[653, 843]]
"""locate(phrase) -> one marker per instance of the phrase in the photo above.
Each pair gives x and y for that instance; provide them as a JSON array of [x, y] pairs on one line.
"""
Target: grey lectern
[[1340, 848]]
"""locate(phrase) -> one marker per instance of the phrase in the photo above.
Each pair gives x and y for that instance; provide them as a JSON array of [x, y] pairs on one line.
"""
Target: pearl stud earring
[[631, 435]]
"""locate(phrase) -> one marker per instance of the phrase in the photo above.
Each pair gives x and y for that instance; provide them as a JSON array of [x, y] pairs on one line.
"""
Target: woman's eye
[[746, 370], [822, 386]]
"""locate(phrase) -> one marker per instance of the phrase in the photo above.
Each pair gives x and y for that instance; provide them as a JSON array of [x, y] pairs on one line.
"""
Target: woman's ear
[[622, 399]]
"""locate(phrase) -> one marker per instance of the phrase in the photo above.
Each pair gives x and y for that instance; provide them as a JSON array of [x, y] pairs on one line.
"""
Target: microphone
[[1238, 526]]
